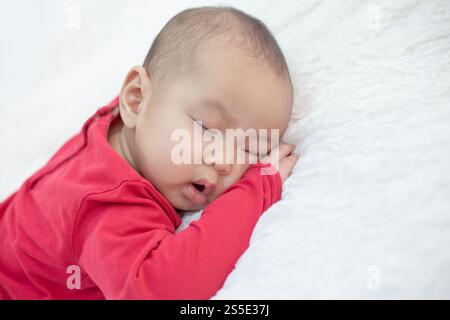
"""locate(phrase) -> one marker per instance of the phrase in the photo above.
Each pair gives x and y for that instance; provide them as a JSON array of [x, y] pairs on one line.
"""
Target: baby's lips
[[208, 190], [194, 195], [209, 186]]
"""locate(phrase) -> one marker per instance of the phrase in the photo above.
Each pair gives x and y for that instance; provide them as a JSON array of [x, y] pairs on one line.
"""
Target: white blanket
[[366, 213]]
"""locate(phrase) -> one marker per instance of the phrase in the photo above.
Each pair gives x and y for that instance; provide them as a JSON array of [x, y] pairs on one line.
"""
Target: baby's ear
[[132, 95]]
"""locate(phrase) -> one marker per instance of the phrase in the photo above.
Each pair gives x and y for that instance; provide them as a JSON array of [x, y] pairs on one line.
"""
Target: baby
[[99, 219]]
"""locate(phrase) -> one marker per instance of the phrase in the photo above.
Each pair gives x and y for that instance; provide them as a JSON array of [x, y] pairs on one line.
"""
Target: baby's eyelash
[[248, 151], [200, 123]]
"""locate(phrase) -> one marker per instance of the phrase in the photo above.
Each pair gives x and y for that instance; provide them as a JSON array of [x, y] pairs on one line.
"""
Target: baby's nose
[[222, 168]]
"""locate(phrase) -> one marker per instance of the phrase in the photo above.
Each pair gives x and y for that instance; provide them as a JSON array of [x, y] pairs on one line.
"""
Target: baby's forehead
[[236, 89]]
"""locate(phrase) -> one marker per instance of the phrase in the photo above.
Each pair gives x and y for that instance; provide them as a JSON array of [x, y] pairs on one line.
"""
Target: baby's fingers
[[285, 149], [286, 166], [281, 151]]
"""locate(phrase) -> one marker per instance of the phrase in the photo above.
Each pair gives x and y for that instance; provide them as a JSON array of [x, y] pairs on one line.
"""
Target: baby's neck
[[117, 139]]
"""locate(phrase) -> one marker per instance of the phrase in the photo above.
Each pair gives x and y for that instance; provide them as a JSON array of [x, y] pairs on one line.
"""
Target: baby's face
[[250, 95]]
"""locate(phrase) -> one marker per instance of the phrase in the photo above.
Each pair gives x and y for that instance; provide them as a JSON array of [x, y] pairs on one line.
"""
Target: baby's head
[[216, 65]]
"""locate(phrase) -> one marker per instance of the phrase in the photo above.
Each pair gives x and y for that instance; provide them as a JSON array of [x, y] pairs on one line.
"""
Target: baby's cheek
[[235, 175]]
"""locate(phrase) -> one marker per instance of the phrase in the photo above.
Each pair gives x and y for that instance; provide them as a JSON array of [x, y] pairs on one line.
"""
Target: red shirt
[[88, 209]]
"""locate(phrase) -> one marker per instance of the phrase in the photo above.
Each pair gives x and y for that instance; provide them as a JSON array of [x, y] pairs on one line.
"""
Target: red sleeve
[[131, 251]]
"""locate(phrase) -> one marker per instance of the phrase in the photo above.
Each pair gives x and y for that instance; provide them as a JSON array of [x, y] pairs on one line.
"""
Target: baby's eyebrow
[[220, 107]]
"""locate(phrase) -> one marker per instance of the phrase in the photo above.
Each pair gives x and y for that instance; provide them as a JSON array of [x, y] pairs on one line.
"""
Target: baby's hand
[[286, 159]]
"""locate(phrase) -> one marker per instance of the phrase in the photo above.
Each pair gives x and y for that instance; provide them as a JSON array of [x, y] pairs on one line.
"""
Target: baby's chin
[[181, 208], [181, 204]]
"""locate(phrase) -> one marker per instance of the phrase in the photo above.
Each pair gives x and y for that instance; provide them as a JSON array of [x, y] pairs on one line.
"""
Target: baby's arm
[[141, 257]]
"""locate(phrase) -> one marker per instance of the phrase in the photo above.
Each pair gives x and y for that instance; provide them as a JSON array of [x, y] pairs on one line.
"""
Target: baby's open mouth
[[198, 191], [199, 187], [204, 186]]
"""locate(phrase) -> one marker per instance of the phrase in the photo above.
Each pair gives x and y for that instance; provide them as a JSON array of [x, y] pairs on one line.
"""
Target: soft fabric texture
[[366, 213]]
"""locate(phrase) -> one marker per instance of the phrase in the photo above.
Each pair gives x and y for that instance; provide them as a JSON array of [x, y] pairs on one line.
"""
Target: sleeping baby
[[99, 220]]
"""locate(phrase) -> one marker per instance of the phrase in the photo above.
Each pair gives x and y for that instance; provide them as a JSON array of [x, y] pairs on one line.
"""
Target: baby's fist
[[285, 158]]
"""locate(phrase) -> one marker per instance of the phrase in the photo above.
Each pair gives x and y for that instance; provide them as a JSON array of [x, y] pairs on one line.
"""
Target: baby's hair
[[174, 49]]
